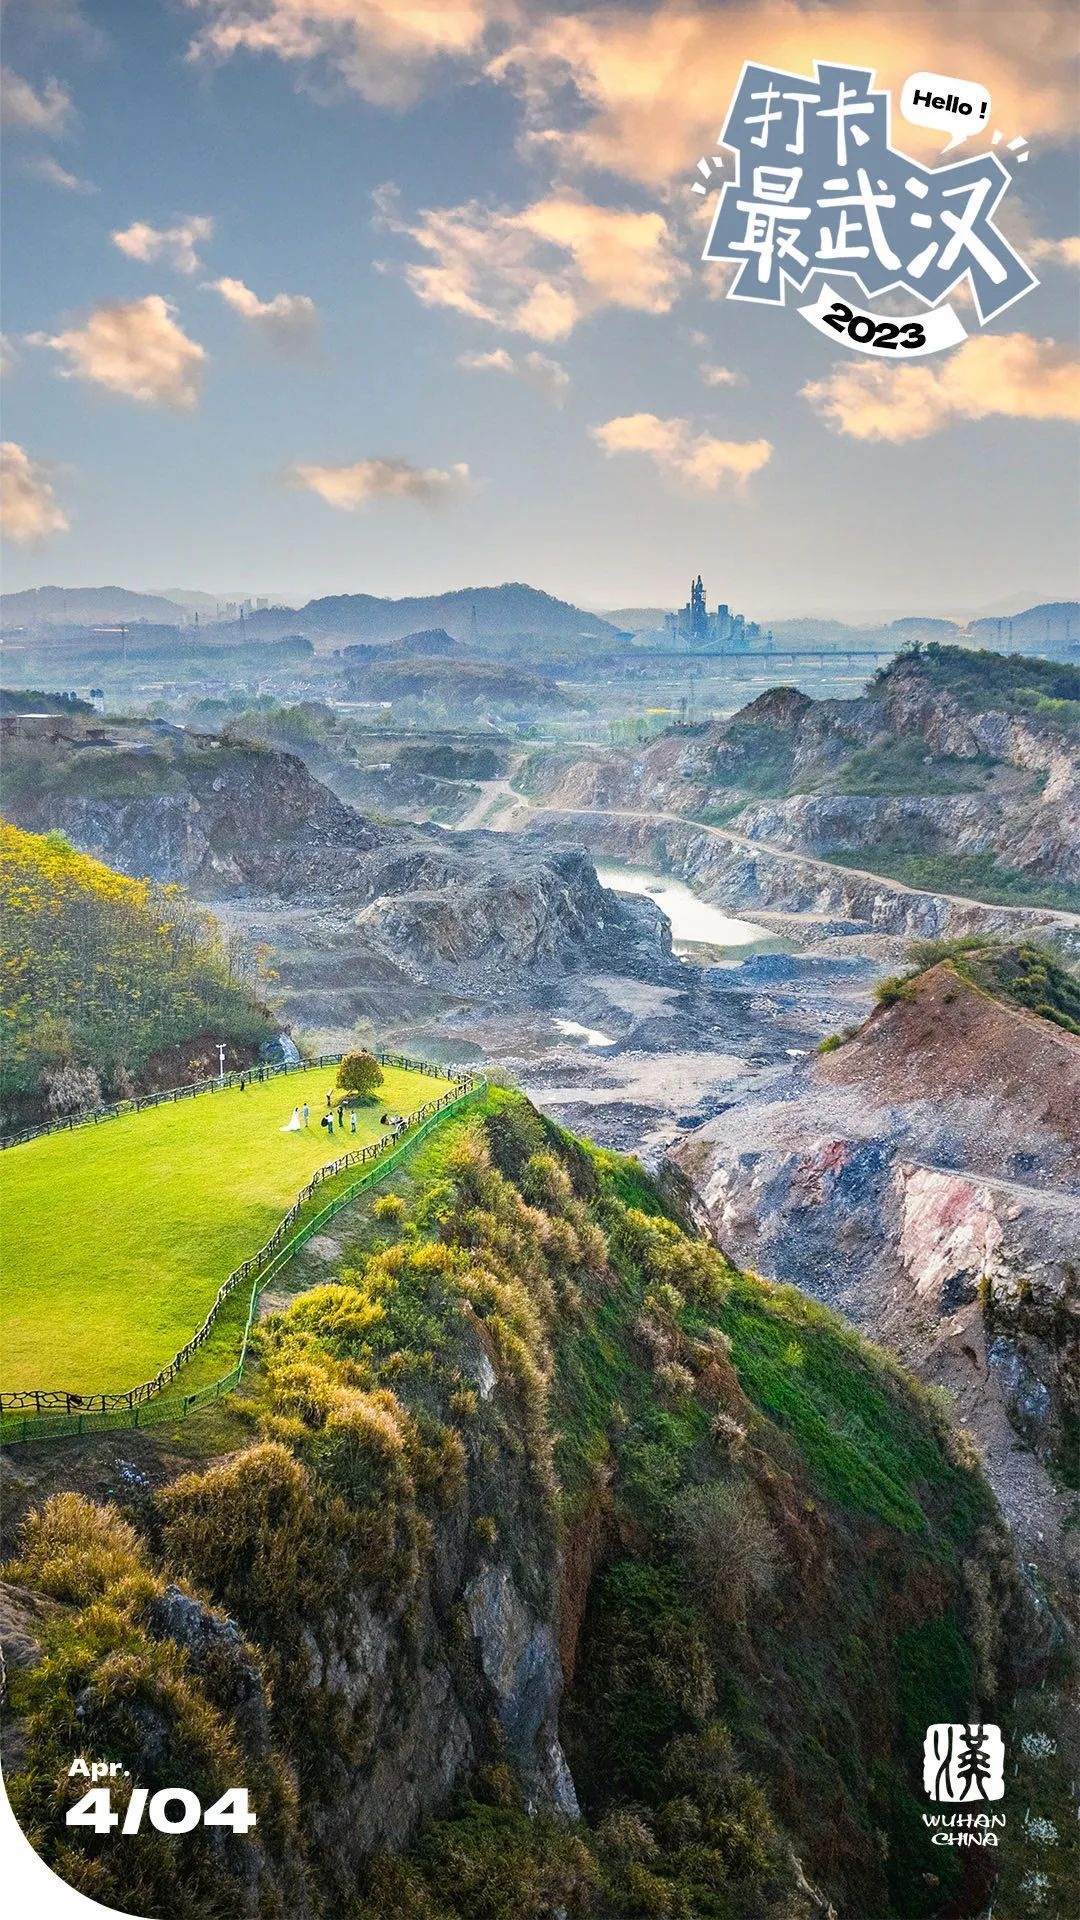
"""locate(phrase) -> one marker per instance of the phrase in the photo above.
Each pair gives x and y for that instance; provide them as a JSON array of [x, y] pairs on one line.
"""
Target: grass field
[[117, 1237]]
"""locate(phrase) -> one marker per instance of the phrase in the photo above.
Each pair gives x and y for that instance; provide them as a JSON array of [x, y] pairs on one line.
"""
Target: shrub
[[731, 1552], [359, 1073], [70, 1089], [897, 987], [389, 1207]]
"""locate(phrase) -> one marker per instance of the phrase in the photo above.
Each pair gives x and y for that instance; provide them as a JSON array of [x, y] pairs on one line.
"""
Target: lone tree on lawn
[[359, 1073]]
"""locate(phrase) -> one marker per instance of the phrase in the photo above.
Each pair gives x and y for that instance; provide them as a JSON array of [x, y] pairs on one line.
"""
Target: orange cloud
[[287, 320], [380, 48], [535, 369], [681, 454], [655, 85], [349, 488], [29, 510], [543, 269], [175, 245], [993, 373], [134, 348]]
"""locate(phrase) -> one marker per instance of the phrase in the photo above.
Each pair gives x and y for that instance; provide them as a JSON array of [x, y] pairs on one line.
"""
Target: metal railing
[[52, 1413]]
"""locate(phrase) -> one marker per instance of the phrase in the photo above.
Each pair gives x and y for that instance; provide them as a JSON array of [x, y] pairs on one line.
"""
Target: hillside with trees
[[549, 1564], [110, 985]]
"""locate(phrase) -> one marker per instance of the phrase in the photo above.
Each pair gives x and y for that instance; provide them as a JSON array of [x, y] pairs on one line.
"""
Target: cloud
[[54, 175], [681, 454], [380, 479], [1020, 225], [1064, 252], [641, 91], [720, 376], [7, 354], [535, 369], [134, 348], [381, 49], [1009, 374], [175, 245], [47, 112], [29, 511], [288, 320], [541, 270]]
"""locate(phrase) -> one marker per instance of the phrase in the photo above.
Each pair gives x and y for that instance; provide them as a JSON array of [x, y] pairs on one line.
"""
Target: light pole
[[221, 1059]]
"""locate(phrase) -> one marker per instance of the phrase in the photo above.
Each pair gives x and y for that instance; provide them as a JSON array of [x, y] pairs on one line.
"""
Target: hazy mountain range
[[486, 613]]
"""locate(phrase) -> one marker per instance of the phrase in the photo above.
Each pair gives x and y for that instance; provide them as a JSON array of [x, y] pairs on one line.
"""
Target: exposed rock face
[[520, 1663], [925, 1179], [744, 877], [249, 828], [964, 782]]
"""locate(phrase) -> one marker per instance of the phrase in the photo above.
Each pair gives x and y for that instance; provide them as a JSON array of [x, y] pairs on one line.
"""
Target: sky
[[326, 296]]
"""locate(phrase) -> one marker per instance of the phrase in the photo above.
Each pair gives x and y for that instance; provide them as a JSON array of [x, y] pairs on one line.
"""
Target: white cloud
[[1009, 374], [541, 270], [29, 511], [175, 245], [287, 320], [681, 454], [54, 175], [535, 369], [381, 49], [46, 111], [134, 348], [720, 376], [380, 479], [1064, 252]]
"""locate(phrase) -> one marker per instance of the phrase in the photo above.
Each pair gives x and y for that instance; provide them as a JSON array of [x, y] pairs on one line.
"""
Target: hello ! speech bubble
[[958, 107]]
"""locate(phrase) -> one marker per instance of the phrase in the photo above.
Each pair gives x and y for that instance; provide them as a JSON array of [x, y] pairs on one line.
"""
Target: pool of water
[[592, 1036], [694, 922]]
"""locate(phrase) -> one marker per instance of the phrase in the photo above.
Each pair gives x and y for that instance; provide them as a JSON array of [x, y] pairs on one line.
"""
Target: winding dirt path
[[792, 855]]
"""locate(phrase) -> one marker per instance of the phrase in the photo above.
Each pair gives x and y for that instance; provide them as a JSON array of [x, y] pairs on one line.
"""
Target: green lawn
[[117, 1237]]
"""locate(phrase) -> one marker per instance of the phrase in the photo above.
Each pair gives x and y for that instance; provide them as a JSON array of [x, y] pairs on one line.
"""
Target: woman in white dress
[[293, 1125]]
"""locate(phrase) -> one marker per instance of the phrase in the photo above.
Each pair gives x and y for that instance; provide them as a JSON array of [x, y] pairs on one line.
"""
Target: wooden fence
[[260, 1071], [45, 1404]]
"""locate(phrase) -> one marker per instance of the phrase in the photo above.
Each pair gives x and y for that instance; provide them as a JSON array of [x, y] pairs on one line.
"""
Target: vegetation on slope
[[778, 1565], [100, 974], [1022, 975], [970, 876], [983, 681]]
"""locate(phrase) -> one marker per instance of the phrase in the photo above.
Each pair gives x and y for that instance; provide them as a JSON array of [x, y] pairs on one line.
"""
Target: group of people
[[301, 1117]]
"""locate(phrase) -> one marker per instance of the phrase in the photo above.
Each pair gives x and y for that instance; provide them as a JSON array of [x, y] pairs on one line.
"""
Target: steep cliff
[[548, 1565], [348, 898], [924, 1176]]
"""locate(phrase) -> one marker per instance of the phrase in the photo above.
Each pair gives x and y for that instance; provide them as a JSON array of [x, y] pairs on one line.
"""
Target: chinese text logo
[[819, 188], [963, 1763]]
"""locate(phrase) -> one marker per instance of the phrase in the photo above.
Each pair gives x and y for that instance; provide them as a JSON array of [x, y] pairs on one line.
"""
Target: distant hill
[[499, 613], [638, 619], [1053, 621], [453, 682], [428, 645], [85, 606]]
